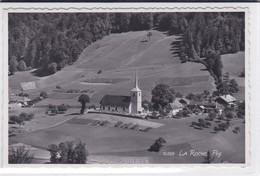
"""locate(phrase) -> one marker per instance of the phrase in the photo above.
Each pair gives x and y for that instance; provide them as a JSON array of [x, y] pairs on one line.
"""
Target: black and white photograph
[[127, 87]]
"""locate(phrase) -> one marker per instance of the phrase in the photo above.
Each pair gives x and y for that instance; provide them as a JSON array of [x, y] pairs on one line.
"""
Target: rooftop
[[227, 98], [115, 101]]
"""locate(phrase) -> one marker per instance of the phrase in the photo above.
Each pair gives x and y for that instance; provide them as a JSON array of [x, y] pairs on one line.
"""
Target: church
[[125, 104]]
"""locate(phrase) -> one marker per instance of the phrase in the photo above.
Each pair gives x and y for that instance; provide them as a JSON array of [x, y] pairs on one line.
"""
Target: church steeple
[[136, 97], [136, 88]]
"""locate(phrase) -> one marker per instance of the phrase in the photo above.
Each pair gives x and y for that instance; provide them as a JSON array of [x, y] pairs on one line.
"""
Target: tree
[[178, 95], [80, 153], [54, 111], [53, 149], [147, 105], [223, 88], [62, 108], [212, 115], [20, 155], [206, 93], [13, 66], [157, 145], [208, 158], [83, 99], [233, 86], [149, 35], [43, 94], [22, 66], [53, 68], [161, 96]]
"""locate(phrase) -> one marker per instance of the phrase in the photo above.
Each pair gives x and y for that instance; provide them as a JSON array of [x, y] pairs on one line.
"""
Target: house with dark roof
[[116, 103], [183, 101]]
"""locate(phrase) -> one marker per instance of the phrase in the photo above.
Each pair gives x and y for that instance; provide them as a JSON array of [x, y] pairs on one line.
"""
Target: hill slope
[[118, 56]]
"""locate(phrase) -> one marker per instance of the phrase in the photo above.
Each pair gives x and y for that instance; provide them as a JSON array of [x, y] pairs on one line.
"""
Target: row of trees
[[68, 153], [21, 118]]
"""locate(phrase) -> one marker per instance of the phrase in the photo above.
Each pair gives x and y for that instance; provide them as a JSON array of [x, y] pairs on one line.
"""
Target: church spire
[[136, 79], [136, 88]]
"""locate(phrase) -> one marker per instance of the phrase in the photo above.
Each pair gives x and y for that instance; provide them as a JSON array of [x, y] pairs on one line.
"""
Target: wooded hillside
[[51, 41]]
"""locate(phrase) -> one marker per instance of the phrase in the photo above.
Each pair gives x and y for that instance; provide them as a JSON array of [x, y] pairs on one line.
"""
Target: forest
[[50, 41]]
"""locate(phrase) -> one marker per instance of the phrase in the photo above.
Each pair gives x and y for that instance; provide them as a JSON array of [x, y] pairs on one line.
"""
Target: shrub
[[23, 115], [242, 74], [22, 65], [200, 120], [212, 115], [54, 111], [44, 94], [50, 106], [216, 129], [23, 94], [207, 123], [193, 123], [62, 108], [52, 68], [236, 130], [208, 158], [196, 111], [229, 115], [58, 87], [223, 126], [93, 107], [99, 72], [13, 118], [157, 145]]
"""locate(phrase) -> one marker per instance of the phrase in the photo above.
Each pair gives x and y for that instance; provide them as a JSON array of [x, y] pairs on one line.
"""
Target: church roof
[[115, 101]]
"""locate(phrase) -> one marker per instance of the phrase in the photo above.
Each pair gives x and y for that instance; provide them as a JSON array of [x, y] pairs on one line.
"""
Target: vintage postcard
[[126, 85]]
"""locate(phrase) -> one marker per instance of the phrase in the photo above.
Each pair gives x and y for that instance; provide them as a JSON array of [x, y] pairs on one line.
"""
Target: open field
[[122, 142], [42, 120]]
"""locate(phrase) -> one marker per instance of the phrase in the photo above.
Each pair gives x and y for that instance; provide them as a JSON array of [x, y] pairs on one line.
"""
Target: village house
[[225, 101], [175, 107], [124, 104], [203, 106], [18, 102]]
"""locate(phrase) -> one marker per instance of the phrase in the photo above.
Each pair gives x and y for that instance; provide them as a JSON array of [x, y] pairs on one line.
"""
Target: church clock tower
[[136, 98]]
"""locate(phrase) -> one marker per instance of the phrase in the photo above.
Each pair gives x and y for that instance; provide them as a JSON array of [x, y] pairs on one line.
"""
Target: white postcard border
[[133, 7]]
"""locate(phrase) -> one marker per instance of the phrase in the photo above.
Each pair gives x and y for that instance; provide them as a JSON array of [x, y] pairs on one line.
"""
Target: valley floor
[[113, 145]]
